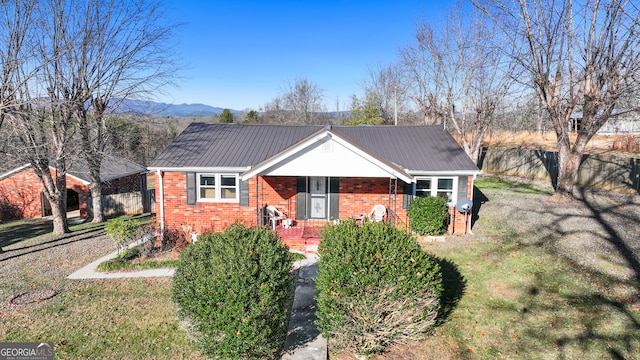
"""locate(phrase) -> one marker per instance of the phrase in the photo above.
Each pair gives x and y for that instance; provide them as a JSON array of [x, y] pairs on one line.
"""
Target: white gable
[[326, 155]]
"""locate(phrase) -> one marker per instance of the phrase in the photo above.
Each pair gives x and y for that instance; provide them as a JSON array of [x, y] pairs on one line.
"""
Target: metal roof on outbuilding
[[414, 148]]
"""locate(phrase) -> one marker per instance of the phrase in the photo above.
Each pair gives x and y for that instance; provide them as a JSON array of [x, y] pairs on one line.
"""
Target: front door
[[318, 197]]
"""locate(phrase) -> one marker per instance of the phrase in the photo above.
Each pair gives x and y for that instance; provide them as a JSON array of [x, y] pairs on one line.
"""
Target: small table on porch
[[359, 218]]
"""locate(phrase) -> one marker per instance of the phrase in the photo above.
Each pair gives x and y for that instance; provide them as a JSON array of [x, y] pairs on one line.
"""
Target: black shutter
[[407, 195], [244, 193], [462, 187], [334, 198], [191, 188], [301, 198]]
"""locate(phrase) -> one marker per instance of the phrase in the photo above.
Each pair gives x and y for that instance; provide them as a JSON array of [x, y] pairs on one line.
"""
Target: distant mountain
[[123, 106]]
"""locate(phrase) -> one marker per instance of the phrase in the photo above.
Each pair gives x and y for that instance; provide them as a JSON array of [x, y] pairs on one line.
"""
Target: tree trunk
[[568, 165], [96, 202], [59, 212]]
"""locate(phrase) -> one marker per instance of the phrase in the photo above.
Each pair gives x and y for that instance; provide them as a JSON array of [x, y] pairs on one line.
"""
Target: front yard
[[535, 280], [110, 319]]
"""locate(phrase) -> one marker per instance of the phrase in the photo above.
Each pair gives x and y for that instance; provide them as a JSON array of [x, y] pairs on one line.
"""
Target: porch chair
[[378, 213], [275, 215]]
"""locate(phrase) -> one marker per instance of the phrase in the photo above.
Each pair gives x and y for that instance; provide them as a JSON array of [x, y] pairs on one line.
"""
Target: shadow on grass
[[58, 241], [24, 230], [454, 285], [583, 296]]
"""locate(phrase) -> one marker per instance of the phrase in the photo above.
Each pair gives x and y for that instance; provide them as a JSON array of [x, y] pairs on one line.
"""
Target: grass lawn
[[107, 319]]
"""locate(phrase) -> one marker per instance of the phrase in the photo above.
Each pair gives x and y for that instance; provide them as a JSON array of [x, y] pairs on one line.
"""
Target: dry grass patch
[[625, 145]]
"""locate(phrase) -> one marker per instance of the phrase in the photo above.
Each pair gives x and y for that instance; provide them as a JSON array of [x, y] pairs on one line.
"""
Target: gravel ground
[[45, 262], [599, 232]]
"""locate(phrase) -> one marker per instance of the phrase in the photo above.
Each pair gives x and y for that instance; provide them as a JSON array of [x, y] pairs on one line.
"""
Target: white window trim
[[434, 186], [218, 187]]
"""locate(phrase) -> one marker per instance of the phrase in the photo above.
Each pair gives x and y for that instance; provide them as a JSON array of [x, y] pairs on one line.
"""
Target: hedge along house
[[21, 191], [212, 175]]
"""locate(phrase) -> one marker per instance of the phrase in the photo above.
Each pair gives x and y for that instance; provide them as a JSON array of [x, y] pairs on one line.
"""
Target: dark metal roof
[[111, 168], [229, 145], [417, 148]]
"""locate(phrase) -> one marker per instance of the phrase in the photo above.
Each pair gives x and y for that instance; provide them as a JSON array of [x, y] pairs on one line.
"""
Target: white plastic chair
[[378, 213], [275, 215]]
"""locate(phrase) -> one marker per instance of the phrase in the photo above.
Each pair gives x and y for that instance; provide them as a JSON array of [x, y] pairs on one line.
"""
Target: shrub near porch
[[236, 288], [376, 287]]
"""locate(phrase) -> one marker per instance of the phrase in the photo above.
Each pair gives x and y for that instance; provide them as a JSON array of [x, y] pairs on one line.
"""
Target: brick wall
[[203, 216], [458, 224], [357, 196], [83, 194], [23, 190], [126, 184]]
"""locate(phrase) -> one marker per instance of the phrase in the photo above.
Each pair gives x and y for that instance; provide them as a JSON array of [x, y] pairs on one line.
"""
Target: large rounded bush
[[236, 288], [376, 287]]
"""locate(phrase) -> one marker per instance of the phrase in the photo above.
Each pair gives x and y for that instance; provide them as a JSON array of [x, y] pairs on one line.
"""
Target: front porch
[[304, 237]]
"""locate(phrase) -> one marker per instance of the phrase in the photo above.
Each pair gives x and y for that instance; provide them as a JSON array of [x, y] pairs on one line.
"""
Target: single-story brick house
[[212, 175], [21, 189]]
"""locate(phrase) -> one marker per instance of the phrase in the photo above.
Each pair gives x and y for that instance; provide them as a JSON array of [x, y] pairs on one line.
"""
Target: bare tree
[[460, 75], [305, 100], [37, 111], [301, 103], [423, 82], [579, 56], [386, 91], [64, 62], [114, 50], [275, 112]]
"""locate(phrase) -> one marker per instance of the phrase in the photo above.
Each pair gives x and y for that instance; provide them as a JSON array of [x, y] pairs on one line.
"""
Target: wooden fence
[[132, 203], [606, 172]]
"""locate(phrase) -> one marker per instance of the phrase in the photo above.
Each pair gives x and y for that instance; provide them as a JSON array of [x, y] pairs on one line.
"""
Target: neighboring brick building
[[21, 191], [212, 175]]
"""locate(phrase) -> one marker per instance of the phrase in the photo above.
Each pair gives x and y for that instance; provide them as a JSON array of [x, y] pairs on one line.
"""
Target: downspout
[[473, 180], [161, 205], [328, 198], [258, 207]]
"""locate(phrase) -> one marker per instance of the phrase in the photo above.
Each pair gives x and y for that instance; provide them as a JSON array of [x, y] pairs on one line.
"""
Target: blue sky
[[242, 54]]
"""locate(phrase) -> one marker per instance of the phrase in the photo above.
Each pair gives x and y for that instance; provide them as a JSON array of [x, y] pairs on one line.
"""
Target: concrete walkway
[[91, 272], [304, 341]]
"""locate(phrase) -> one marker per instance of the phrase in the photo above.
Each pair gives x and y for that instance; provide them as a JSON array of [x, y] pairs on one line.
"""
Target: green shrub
[[428, 215], [376, 287], [236, 288], [122, 231], [8, 210]]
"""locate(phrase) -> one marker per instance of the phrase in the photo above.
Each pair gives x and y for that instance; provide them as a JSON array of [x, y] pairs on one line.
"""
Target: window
[[435, 187], [445, 189], [218, 187]]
